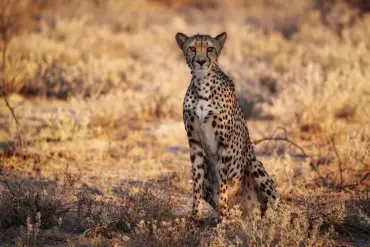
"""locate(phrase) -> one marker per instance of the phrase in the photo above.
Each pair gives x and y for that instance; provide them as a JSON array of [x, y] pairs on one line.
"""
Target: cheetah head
[[201, 51]]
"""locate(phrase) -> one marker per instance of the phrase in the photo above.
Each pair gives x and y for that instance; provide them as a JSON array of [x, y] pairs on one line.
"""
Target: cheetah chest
[[203, 124]]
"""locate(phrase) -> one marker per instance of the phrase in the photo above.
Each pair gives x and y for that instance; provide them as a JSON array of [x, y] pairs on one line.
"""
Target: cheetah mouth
[[201, 68]]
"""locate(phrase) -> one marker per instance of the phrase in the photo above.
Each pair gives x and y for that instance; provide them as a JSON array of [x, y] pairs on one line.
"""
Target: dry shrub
[[348, 217], [310, 88], [133, 109], [178, 232], [109, 216], [15, 18], [26, 201], [364, 204], [279, 227], [357, 219]]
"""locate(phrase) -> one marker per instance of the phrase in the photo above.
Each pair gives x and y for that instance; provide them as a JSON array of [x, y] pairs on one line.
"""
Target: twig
[[364, 178], [312, 165], [9, 188], [358, 183], [281, 139], [339, 160], [17, 124], [286, 139]]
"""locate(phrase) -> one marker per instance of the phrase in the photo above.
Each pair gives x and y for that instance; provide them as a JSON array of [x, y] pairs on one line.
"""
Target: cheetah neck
[[204, 82]]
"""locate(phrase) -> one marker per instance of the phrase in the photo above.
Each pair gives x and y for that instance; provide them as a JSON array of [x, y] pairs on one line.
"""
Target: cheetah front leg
[[223, 163], [197, 156]]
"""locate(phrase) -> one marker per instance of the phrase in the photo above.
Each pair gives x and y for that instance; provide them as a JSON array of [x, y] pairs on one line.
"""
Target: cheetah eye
[[210, 49], [192, 48]]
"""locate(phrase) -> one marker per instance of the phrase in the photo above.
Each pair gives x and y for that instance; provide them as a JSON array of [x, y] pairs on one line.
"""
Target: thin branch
[[9, 187], [281, 139], [286, 139], [364, 178], [322, 178], [339, 159], [358, 183], [17, 124]]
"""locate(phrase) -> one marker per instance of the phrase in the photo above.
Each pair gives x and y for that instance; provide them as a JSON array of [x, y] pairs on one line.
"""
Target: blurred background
[[93, 90]]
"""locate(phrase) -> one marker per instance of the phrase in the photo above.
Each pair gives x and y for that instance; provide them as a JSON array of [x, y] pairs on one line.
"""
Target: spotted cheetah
[[224, 165]]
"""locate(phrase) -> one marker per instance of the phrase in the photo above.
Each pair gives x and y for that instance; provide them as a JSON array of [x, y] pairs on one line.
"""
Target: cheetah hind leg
[[262, 185]]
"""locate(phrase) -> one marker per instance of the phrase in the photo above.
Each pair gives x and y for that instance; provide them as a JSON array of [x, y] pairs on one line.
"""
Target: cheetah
[[224, 165]]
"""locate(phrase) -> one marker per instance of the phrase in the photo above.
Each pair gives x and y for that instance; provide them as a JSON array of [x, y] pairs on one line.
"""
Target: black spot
[[255, 174], [226, 159], [194, 141], [192, 158], [260, 172], [268, 192]]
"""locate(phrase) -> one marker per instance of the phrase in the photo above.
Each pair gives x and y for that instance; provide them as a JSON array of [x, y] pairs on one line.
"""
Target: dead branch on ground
[[324, 179], [303, 152]]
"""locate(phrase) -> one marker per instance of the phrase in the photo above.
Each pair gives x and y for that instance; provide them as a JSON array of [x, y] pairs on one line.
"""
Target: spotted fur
[[224, 165]]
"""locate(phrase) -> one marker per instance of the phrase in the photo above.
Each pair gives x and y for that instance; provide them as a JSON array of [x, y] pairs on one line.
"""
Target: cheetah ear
[[181, 39], [221, 38]]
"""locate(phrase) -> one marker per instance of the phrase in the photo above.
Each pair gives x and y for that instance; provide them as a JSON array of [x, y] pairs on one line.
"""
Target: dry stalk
[[324, 179], [332, 139], [17, 123], [303, 152]]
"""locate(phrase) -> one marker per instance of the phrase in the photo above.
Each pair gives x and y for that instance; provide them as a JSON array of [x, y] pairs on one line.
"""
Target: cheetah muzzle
[[224, 165]]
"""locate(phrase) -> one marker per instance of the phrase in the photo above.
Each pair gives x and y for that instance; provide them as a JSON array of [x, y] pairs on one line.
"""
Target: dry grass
[[97, 90]]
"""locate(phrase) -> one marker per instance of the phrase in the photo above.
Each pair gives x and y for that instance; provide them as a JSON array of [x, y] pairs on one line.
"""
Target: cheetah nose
[[201, 62]]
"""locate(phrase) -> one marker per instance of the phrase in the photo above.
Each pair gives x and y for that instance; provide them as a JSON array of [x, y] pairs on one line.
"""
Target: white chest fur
[[204, 127], [202, 109]]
